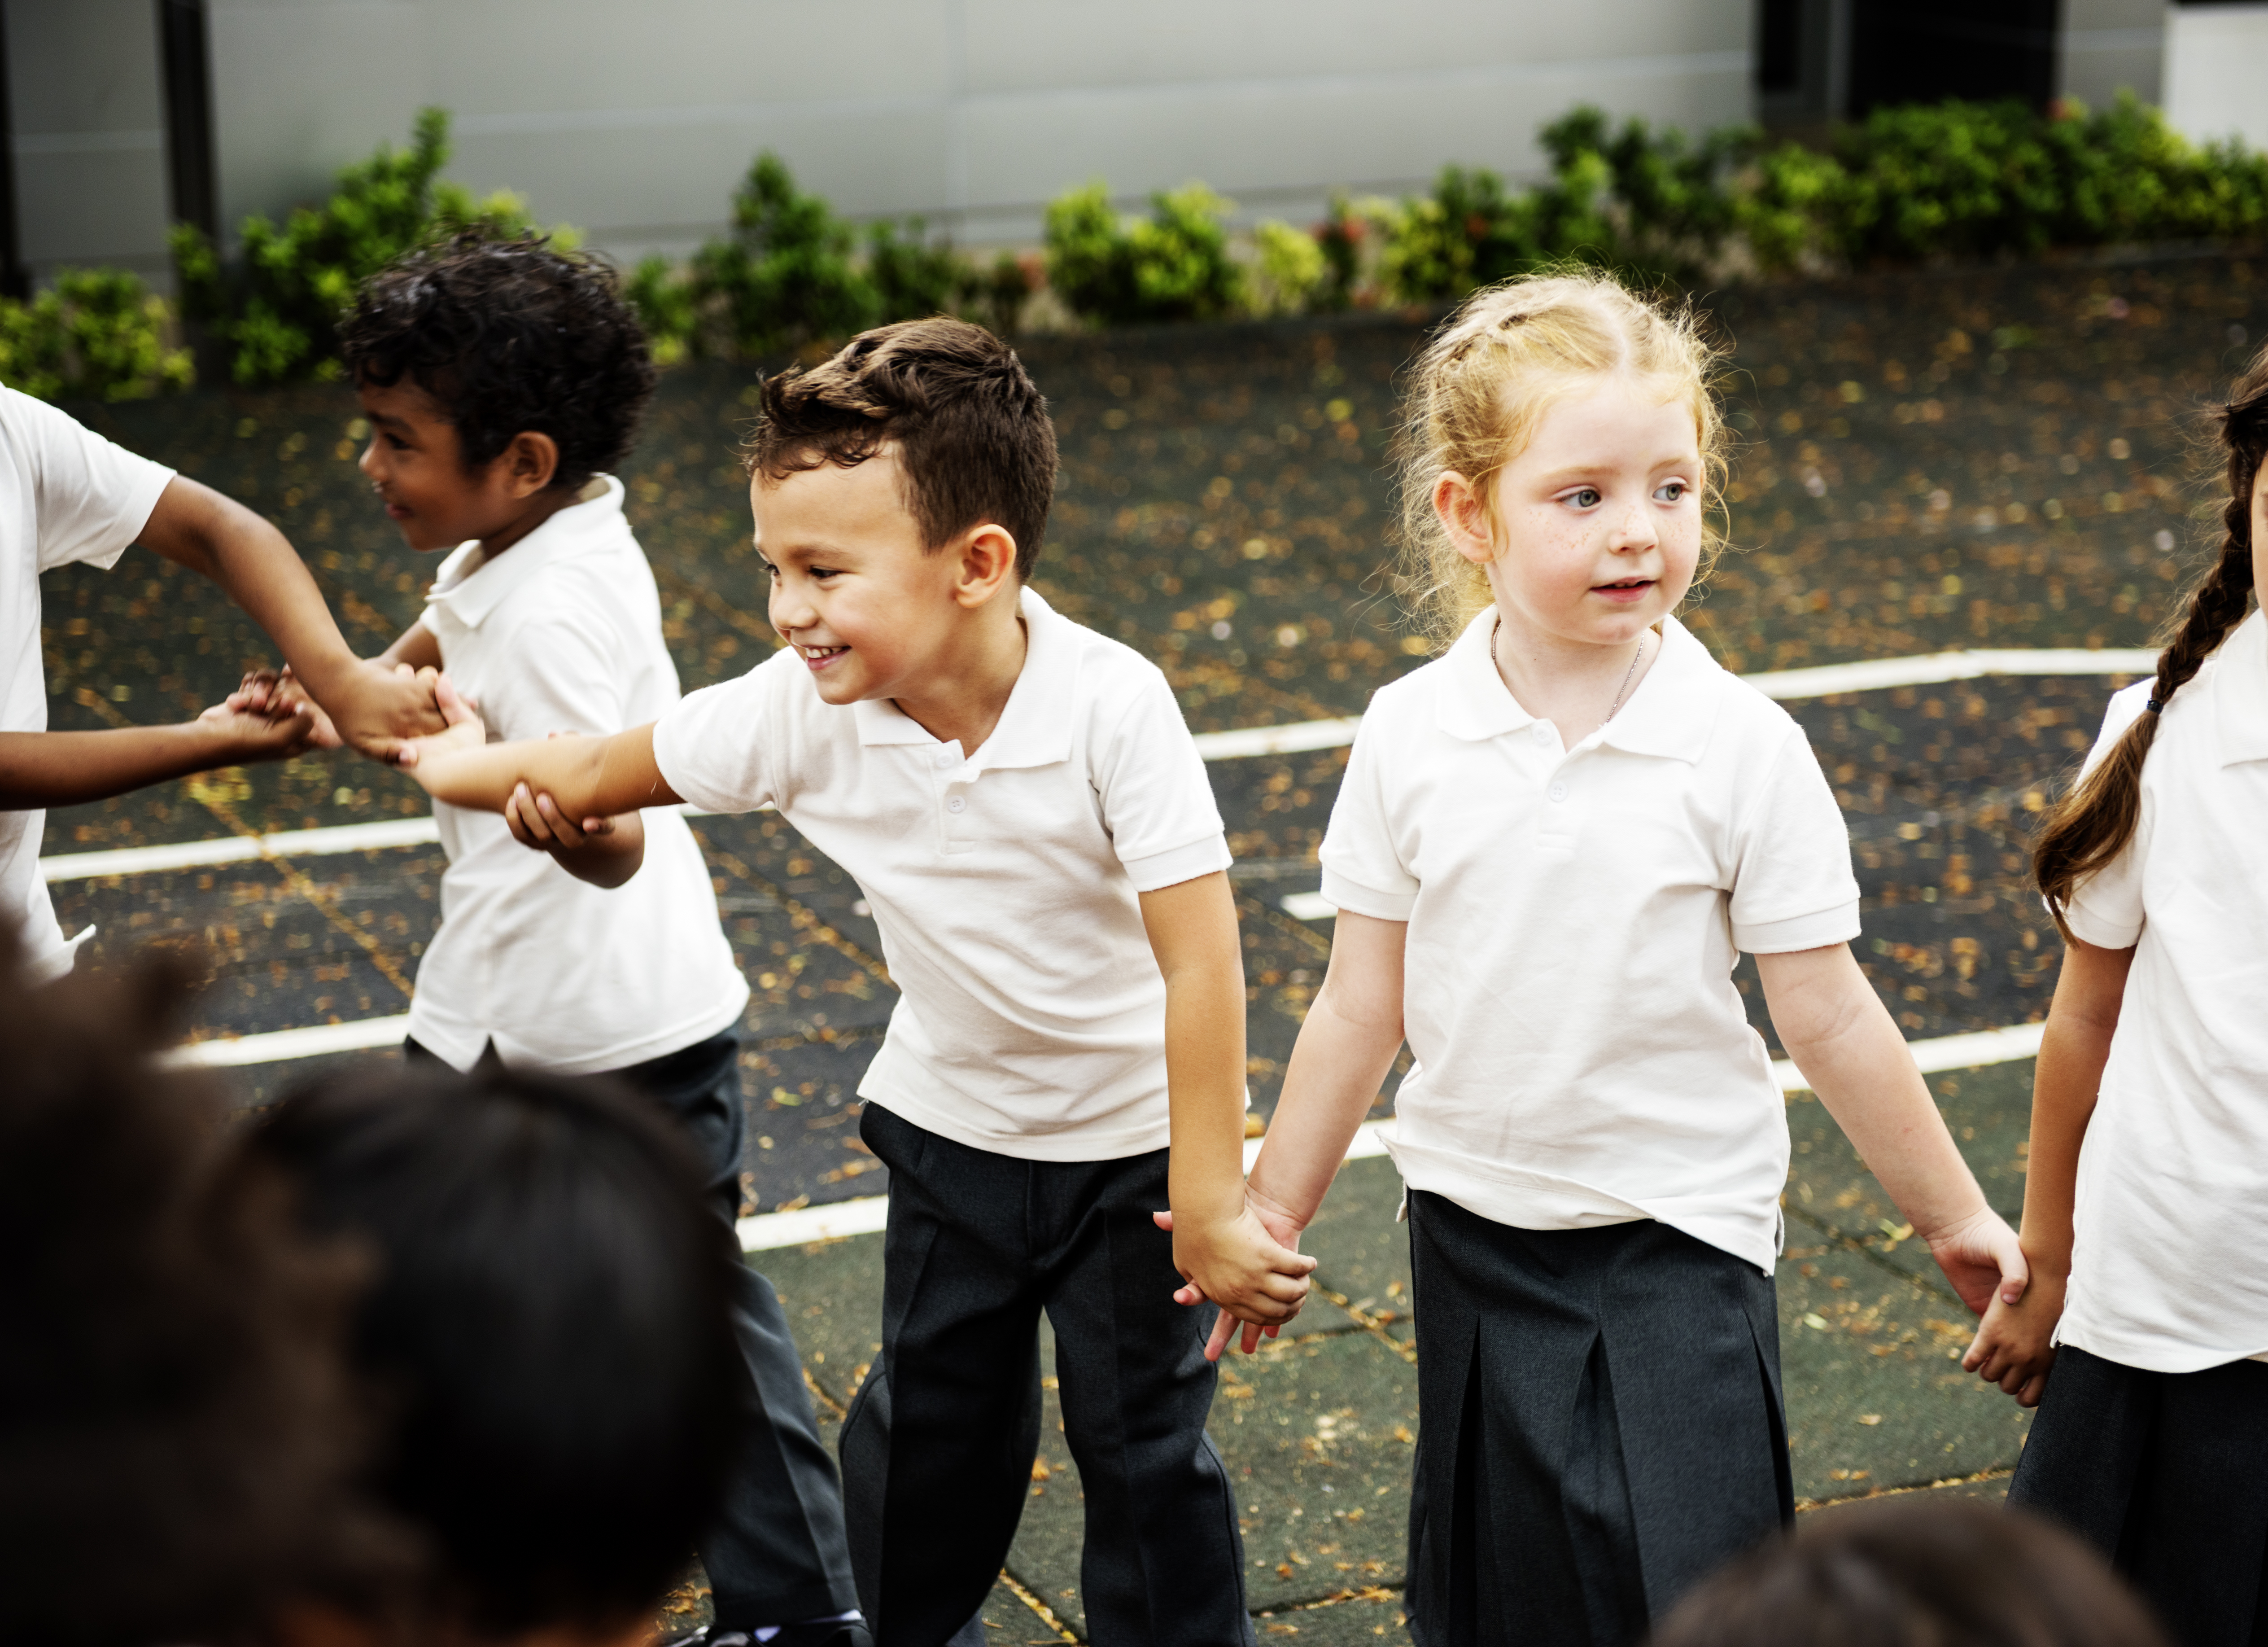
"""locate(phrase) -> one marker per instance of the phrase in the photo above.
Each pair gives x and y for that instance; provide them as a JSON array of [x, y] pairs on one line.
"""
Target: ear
[[1463, 513], [528, 464], [987, 554]]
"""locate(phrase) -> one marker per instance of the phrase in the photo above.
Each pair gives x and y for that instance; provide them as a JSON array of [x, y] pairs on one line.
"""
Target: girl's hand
[[1981, 1256], [2014, 1347], [1281, 1228], [277, 691], [464, 730], [1242, 1266]]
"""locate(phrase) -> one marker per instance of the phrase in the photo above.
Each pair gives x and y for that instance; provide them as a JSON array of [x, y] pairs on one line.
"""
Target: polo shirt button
[[1558, 791], [945, 758], [1543, 733], [956, 804]]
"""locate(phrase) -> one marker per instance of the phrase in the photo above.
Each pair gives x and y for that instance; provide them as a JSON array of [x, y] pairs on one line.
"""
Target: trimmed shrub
[[913, 275], [1294, 274], [787, 277], [1173, 265], [98, 333], [275, 308]]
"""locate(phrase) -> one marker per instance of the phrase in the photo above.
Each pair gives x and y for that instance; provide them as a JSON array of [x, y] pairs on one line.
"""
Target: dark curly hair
[[509, 336], [181, 1440], [970, 428]]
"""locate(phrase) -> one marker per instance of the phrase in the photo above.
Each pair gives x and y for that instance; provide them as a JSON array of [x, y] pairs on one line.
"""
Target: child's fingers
[[528, 826], [1224, 1328], [1164, 1221], [563, 831]]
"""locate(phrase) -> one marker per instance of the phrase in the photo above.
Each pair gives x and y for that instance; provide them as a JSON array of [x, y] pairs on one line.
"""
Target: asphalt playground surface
[[1931, 461]]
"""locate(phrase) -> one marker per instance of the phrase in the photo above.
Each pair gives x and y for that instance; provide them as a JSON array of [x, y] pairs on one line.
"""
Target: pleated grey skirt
[[2166, 1474], [1600, 1427]]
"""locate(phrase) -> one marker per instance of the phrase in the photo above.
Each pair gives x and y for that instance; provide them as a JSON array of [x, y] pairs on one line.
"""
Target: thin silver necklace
[[1627, 675]]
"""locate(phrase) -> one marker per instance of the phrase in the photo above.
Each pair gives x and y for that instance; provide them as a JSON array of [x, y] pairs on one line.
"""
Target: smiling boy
[[1025, 810], [501, 379]]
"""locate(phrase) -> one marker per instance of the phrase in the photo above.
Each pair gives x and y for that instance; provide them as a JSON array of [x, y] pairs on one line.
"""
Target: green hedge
[[1905, 185], [274, 307], [97, 333]]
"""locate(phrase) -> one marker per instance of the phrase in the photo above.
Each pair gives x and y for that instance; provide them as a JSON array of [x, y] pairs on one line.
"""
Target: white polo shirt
[[66, 494], [562, 632], [2170, 1269], [1031, 1021], [1574, 916]]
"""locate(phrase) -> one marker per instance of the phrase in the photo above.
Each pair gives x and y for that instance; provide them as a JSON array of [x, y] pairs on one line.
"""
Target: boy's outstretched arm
[[1220, 1248], [2013, 1348], [1841, 1037], [1353, 1028], [373, 707], [61, 769], [586, 778]]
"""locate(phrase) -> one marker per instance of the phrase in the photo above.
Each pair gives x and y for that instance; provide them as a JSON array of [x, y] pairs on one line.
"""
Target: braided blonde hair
[[1483, 383]]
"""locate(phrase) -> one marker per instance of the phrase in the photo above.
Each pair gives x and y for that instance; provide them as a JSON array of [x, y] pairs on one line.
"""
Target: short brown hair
[[1910, 1573], [969, 427]]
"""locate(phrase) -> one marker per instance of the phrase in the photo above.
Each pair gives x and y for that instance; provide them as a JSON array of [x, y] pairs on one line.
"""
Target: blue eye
[[1676, 490]]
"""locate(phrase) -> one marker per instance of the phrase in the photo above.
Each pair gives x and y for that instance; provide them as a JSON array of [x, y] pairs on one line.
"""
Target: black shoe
[[811, 1633]]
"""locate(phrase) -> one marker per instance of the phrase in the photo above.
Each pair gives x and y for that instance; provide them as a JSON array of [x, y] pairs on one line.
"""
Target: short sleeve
[[2106, 908], [1363, 869], [1792, 888], [91, 497], [1157, 801], [714, 746]]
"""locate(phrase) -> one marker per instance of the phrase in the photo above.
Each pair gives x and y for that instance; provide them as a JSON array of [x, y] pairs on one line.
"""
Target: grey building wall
[[90, 141], [636, 121], [2106, 46]]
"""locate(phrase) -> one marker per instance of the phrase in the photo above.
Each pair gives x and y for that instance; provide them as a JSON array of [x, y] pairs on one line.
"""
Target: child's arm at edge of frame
[[1220, 1247], [2013, 1347], [1841, 1037], [1347, 1046], [586, 777]]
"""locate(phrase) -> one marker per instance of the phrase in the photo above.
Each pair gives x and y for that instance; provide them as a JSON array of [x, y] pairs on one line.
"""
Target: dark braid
[[2097, 818]]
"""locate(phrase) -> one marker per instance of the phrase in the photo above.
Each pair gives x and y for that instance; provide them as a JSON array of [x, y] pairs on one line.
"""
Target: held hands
[[2013, 1348], [1981, 1256], [535, 820], [464, 730], [1241, 1264], [245, 736], [378, 709]]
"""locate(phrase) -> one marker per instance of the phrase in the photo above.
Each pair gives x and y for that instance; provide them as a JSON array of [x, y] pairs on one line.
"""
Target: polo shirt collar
[[2240, 690], [468, 587], [1035, 728], [1669, 714]]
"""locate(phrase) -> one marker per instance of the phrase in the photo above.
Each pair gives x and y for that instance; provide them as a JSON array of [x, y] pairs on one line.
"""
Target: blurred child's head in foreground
[[1909, 1573], [546, 1334], [1548, 419], [180, 1441], [499, 376], [899, 492]]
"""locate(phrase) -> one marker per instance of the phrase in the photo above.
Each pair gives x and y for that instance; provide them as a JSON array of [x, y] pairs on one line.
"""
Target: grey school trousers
[[775, 1553], [939, 1444]]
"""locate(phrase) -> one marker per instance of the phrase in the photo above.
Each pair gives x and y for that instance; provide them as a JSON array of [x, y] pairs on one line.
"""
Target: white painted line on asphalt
[[1876, 674], [1296, 738], [1972, 1050], [317, 1040], [867, 1215], [1308, 906], [195, 854], [1241, 744]]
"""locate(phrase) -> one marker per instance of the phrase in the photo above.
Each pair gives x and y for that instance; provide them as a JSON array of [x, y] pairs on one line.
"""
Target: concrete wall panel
[[88, 113], [2217, 72]]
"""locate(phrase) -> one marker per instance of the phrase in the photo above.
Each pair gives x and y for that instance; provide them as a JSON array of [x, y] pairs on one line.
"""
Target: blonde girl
[[2146, 1207], [1551, 847]]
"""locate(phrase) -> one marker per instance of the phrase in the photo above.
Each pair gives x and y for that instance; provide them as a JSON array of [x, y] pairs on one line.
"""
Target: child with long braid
[[2146, 1207]]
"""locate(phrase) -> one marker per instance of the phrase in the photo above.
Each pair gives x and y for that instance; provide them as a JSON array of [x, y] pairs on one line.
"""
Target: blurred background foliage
[[1916, 184]]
